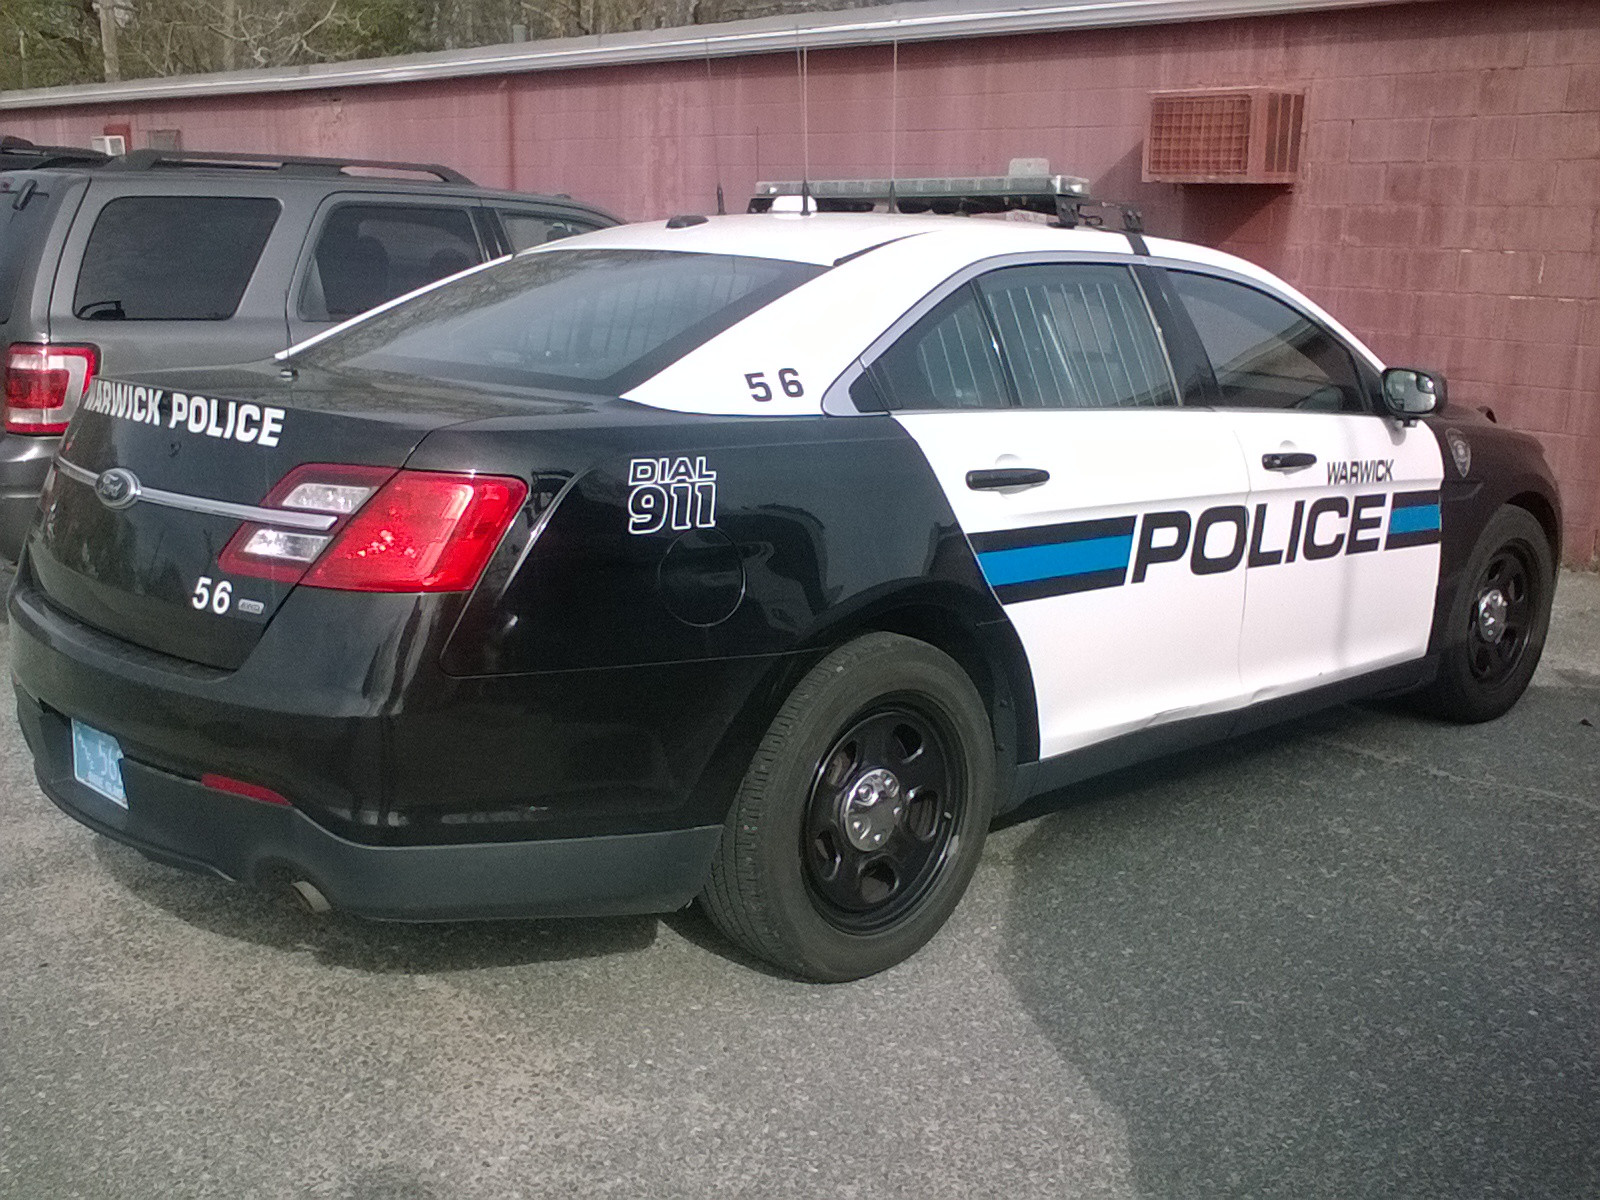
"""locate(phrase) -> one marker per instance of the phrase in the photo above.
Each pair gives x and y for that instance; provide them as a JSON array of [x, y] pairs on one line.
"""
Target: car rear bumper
[[181, 822]]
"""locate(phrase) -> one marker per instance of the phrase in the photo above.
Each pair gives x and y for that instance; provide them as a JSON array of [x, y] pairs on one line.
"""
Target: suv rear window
[[172, 258], [582, 320]]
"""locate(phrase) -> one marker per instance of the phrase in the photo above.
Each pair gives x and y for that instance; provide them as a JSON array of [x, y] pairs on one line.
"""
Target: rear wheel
[[862, 816], [1497, 623]]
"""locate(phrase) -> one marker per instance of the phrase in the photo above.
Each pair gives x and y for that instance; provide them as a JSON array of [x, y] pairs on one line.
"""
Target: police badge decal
[[1460, 451]]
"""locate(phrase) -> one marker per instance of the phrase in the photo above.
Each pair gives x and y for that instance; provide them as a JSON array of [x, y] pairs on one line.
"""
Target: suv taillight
[[43, 384], [405, 531]]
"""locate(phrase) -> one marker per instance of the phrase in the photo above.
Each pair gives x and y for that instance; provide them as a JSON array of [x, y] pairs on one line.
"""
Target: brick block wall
[[1449, 210]]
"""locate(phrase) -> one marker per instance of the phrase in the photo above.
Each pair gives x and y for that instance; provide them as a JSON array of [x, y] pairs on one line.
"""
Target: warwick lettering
[[234, 420]]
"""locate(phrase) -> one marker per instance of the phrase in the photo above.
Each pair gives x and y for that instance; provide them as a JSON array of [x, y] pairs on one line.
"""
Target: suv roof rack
[[288, 164], [1044, 193], [20, 152]]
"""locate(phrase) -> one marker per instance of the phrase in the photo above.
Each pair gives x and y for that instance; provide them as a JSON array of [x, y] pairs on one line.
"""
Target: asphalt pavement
[[1354, 956]]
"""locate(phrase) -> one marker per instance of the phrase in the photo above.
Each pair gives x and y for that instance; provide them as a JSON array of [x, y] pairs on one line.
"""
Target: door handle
[[1007, 477], [1288, 462]]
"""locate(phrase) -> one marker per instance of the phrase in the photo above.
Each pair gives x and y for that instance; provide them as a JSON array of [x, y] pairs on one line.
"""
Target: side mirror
[[1409, 393]]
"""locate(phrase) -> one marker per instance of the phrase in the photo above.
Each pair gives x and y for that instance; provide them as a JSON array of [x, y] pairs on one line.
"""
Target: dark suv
[[157, 259]]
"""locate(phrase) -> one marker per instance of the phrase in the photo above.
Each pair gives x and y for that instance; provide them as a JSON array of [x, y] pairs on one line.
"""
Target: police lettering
[[231, 420], [1222, 538], [240, 421]]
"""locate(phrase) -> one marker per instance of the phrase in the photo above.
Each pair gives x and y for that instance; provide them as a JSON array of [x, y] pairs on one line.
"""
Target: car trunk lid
[[155, 477]]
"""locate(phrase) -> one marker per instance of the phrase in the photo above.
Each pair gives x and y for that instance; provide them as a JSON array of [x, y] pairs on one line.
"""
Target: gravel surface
[[1354, 956]]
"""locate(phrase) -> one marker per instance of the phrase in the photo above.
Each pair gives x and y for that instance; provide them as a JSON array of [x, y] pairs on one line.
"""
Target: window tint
[[172, 258], [369, 253], [946, 360], [527, 229], [589, 320], [1265, 353], [1077, 337]]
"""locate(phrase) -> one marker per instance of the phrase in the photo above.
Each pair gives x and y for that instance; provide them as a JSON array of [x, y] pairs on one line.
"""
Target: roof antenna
[[716, 145], [894, 125], [802, 64]]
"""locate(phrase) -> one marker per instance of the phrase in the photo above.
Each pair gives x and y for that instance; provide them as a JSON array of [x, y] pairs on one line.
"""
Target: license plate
[[97, 763]]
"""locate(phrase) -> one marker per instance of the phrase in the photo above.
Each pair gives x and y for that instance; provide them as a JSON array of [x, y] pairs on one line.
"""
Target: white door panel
[[1345, 554], [1120, 630]]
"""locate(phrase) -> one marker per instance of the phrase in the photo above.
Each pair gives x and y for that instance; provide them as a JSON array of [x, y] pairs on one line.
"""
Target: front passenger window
[[1266, 354], [946, 360]]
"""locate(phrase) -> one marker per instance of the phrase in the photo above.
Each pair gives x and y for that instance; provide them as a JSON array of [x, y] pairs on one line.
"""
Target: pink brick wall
[[1448, 210]]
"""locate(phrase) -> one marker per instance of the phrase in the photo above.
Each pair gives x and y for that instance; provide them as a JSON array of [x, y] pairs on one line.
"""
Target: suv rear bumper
[[181, 822]]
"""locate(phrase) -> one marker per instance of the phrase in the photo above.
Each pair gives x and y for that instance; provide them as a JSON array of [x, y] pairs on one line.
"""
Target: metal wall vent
[[1232, 135]]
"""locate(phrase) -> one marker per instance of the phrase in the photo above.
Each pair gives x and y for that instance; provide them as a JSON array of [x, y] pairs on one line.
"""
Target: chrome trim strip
[[278, 517], [73, 471]]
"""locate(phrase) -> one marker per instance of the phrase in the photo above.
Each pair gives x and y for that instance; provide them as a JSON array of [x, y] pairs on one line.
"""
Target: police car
[[758, 559]]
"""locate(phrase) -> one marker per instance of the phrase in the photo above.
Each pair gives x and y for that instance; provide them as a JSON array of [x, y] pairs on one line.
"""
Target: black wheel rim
[[882, 817], [1501, 618]]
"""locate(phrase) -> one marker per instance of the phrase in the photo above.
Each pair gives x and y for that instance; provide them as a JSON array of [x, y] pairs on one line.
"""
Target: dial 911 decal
[[671, 493]]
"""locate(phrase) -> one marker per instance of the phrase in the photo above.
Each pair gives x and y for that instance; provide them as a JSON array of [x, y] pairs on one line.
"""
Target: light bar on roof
[[951, 188], [1042, 193]]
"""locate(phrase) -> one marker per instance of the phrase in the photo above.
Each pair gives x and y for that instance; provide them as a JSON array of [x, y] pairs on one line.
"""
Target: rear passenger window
[[1266, 354], [172, 258], [946, 360], [1078, 337], [524, 230], [369, 253]]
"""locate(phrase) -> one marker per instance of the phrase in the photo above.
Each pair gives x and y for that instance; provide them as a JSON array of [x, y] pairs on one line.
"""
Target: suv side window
[[1078, 336], [369, 253], [526, 229], [948, 359], [172, 258], [1266, 354]]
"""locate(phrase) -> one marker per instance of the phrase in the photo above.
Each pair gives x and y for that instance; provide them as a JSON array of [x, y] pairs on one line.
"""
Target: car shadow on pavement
[[377, 947], [1335, 959]]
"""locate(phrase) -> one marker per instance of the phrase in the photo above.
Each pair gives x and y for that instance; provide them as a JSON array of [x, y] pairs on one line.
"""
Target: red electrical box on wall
[[1224, 135]]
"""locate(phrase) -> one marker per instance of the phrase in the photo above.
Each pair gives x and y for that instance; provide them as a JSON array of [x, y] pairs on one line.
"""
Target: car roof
[[881, 264], [824, 239]]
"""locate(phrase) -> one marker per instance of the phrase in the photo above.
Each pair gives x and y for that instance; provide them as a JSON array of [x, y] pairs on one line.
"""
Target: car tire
[[862, 816], [1497, 623]]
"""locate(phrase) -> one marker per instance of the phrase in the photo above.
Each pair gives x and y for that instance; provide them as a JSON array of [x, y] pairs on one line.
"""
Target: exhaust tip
[[310, 895]]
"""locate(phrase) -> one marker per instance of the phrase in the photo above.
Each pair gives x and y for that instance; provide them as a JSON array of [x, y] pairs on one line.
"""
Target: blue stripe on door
[[1414, 519], [1026, 564]]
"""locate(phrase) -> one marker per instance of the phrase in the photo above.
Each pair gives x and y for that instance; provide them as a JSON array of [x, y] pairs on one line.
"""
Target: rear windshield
[[172, 258], [576, 320]]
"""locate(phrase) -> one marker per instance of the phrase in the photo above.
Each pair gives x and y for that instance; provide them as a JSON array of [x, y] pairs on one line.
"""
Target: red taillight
[[425, 531], [284, 553], [44, 385], [386, 531]]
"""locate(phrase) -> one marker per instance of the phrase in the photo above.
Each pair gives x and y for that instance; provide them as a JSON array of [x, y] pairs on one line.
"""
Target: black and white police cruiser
[[759, 559]]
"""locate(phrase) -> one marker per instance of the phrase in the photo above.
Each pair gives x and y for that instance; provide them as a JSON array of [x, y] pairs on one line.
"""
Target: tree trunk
[[108, 39]]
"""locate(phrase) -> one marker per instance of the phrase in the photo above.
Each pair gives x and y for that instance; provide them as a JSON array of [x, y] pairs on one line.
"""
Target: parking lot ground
[[1354, 956]]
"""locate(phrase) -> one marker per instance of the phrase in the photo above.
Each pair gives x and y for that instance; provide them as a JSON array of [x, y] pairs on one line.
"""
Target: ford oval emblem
[[117, 488]]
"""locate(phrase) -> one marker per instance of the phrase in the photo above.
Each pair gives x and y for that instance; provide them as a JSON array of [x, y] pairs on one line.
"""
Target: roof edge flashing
[[928, 20]]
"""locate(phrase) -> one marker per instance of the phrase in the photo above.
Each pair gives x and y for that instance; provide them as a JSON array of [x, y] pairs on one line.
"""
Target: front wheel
[[1497, 623], [862, 816]]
